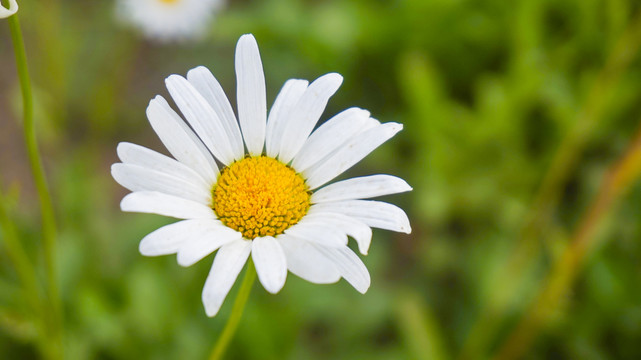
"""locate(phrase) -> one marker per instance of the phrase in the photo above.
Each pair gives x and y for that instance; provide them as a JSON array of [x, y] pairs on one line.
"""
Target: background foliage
[[514, 113]]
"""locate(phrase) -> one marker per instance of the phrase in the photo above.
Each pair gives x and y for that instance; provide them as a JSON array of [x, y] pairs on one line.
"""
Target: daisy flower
[[257, 186], [6, 12], [169, 20]]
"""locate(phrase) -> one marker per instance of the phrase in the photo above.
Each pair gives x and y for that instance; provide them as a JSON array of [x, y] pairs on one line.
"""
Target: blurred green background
[[514, 112]]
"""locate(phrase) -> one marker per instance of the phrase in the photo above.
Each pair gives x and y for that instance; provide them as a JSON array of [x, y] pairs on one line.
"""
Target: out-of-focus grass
[[489, 92]]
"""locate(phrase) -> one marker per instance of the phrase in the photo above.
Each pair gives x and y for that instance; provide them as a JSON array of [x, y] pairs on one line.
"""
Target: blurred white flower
[[268, 199], [6, 12], [169, 20]]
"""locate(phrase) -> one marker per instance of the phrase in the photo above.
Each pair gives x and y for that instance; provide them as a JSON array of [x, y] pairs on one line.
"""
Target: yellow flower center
[[260, 196], [169, 2]]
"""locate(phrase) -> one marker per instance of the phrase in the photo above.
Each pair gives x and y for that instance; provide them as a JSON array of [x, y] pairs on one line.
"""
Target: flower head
[[6, 12], [268, 198], [169, 20]]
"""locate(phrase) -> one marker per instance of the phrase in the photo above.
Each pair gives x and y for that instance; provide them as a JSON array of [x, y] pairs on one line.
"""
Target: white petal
[[352, 227], [252, 103], [349, 265], [305, 114], [369, 124], [137, 155], [137, 178], [152, 202], [376, 214], [210, 237], [180, 140], [271, 265], [6, 12], [168, 239], [202, 118], [330, 136], [205, 82], [279, 114], [349, 154], [361, 188], [318, 233], [304, 261], [227, 264]]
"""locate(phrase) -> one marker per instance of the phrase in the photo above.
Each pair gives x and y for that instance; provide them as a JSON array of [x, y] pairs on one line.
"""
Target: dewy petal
[[361, 188], [349, 265], [279, 114], [211, 236], [169, 238], [201, 117], [252, 103], [270, 261], [205, 82], [329, 136], [318, 233], [306, 262], [6, 12], [352, 227], [138, 178], [180, 140], [376, 214], [138, 155], [227, 265], [152, 202], [349, 154], [305, 114]]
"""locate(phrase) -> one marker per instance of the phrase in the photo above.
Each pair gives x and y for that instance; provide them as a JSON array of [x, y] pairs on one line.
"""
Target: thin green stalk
[[35, 162], [25, 270], [17, 254], [236, 313], [419, 327], [568, 266]]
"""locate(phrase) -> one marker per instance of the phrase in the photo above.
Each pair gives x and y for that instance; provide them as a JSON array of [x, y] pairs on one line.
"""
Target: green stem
[[24, 269], [419, 327], [236, 313], [35, 162], [17, 254]]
